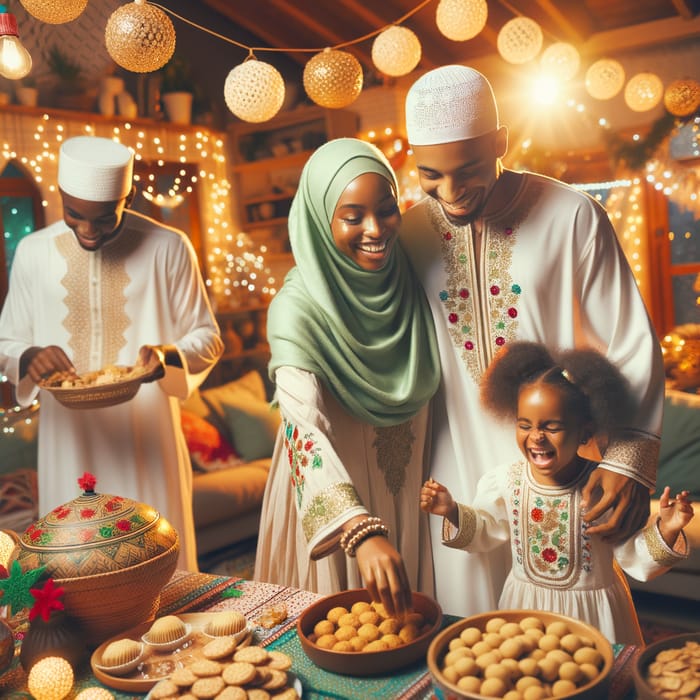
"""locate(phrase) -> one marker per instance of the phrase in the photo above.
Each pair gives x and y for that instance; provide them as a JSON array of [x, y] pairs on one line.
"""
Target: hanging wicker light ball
[[51, 678], [333, 78], [54, 11], [396, 51], [460, 20], [561, 60], [605, 78], [682, 97], [140, 37], [643, 92], [519, 40], [254, 90]]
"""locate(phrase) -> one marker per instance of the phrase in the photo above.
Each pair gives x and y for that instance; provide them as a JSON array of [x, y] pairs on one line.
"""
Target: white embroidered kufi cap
[[95, 169], [450, 103]]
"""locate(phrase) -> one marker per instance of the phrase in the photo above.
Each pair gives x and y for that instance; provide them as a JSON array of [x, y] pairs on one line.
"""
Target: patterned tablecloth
[[188, 592]]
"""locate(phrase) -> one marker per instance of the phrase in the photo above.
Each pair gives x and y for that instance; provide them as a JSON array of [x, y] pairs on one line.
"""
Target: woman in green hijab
[[355, 363]]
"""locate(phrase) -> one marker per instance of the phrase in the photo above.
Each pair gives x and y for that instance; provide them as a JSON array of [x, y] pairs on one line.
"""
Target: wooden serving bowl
[[370, 663], [597, 689]]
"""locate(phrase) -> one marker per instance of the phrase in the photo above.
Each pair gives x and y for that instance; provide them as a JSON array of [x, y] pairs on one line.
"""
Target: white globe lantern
[[396, 51], [333, 78], [460, 20], [54, 11], [643, 92], [561, 60], [605, 78], [519, 40], [254, 90]]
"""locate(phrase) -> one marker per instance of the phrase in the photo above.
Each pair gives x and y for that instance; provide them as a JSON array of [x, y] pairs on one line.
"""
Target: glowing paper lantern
[[519, 40], [54, 11], [50, 679], [460, 20], [333, 78], [396, 51], [254, 91], [643, 92], [561, 60], [605, 78], [682, 97], [94, 693], [140, 37]]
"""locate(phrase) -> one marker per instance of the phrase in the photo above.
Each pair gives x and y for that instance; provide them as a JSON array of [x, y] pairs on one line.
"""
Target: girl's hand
[[674, 515], [384, 575], [436, 499]]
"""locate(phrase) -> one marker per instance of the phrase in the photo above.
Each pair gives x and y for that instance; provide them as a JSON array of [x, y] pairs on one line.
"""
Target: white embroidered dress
[[550, 270], [557, 566], [328, 467], [143, 287]]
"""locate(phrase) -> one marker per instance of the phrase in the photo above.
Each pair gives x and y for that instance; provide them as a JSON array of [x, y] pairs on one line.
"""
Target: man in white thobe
[[108, 286]]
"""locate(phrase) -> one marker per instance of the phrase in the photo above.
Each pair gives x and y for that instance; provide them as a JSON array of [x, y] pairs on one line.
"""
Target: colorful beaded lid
[[95, 533]]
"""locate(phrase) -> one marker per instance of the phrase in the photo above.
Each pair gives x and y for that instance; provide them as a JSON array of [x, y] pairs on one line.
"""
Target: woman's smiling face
[[366, 221]]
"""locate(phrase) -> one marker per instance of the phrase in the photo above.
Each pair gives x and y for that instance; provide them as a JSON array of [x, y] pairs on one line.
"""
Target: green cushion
[[679, 459]]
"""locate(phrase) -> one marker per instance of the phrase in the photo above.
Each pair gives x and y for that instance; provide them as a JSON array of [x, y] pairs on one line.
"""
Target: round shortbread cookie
[[253, 654], [232, 692], [238, 673], [164, 689], [219, 648], [205, 668], [208, 688], [262, 673], [276, 679], [279, 660], [183, 677], [286, 694], [258, 694]]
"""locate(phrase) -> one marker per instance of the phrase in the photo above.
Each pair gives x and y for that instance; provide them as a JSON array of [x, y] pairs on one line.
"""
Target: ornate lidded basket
[[112, 555]]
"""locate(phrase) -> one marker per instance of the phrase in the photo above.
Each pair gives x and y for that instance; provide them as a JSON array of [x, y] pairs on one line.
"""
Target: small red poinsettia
[[87, 482], [4, 573], [46, 599]]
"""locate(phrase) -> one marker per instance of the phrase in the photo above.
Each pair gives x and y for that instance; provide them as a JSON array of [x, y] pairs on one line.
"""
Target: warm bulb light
[[15, 61], [605, 78], [460, 20], [254, 90], [519, 40], [54, 11], [561, 60], [396, 51], [333, 78], [51, 678], [643, 92]]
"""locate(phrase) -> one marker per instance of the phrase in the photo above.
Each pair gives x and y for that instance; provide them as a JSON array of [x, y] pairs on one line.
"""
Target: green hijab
[[368, 335]]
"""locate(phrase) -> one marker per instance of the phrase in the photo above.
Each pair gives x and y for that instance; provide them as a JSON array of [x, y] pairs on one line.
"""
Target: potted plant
[[177, 89], [69, 88]]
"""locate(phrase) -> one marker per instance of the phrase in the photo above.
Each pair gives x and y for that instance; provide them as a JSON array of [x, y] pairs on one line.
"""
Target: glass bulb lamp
[[15, 61]]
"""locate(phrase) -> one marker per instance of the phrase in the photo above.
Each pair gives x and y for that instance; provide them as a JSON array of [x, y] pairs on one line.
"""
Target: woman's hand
[[384, 575], [40, 363], [629, 500]]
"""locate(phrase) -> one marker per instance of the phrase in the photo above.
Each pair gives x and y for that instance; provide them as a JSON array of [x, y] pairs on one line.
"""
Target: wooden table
[[188, 592]]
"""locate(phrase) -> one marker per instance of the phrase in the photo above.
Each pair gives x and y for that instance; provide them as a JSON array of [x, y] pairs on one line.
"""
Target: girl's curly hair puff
[[593, 387]]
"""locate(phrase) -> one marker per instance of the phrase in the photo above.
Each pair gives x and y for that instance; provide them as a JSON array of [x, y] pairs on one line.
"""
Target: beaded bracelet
[[345, 537], [361, 535]]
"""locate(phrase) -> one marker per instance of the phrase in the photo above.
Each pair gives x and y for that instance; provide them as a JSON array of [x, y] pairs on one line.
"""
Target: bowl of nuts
[[669, 668], [520, 653], [348, 633]]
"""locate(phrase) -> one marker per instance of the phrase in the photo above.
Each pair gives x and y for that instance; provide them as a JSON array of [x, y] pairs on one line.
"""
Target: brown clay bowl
[[640, 669], [370, 663], [597, 689]]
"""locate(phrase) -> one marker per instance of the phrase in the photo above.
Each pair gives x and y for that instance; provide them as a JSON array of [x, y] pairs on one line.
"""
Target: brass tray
[[155, 666], [100, 395]]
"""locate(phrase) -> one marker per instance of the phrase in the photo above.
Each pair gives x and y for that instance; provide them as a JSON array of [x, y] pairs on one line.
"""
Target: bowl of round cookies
[[531, 653], [669, 668], [348, 633]]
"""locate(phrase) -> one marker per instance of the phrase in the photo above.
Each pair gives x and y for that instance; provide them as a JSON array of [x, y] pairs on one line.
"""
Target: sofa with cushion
[[230, 432]]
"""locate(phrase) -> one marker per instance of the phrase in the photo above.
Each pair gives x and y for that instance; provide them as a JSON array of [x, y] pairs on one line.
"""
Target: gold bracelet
[[361, 535], [357, 526]]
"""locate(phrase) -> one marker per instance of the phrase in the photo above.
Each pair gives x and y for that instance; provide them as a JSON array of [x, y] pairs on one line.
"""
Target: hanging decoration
[[254, 90], [333, 78], [460, 20], [140, 37], [519, 40], [635, 154], [54, 11], [15, 61], [396, 51], [643, 92], [682, 97], [561, 60], [605, 78]]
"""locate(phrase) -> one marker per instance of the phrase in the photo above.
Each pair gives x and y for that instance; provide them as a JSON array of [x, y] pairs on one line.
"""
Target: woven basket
[[109, 603], [96, 396]]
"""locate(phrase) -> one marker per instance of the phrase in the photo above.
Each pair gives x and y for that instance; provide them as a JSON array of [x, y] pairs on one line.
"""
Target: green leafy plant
[[176, 76], [68, 73]]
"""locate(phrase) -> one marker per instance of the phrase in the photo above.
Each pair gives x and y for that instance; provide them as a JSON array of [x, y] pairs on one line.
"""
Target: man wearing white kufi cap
[[503, 256], [108, 286]]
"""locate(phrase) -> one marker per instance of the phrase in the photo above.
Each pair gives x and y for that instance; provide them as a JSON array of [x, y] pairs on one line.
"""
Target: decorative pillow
[[209, 450], [253, 426]]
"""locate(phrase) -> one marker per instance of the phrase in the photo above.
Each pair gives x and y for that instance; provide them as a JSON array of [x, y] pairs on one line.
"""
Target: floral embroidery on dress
[[302, 453], [515, 483], [461, 301], [394, 447]]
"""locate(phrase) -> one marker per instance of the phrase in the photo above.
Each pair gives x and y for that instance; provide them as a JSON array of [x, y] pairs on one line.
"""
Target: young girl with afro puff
[[561, 402]]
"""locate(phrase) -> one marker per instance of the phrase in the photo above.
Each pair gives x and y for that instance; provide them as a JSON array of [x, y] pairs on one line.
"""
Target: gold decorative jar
[[111, 555]]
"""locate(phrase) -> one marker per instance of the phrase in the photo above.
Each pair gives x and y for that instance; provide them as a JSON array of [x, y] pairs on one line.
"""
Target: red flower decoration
[[537, 515], [34, 535], [469, 345], [295, 434], [4, 573], [549, 555], [464, 293], [87, 513], [123, 525], [512, 312], [453, 318], [447, 236], [46, 599], [500, 341], [87, 482], [495, 289], [308, 445]]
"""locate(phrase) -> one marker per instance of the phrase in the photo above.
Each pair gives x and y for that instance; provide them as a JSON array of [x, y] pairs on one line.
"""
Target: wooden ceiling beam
[[683, 8]]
